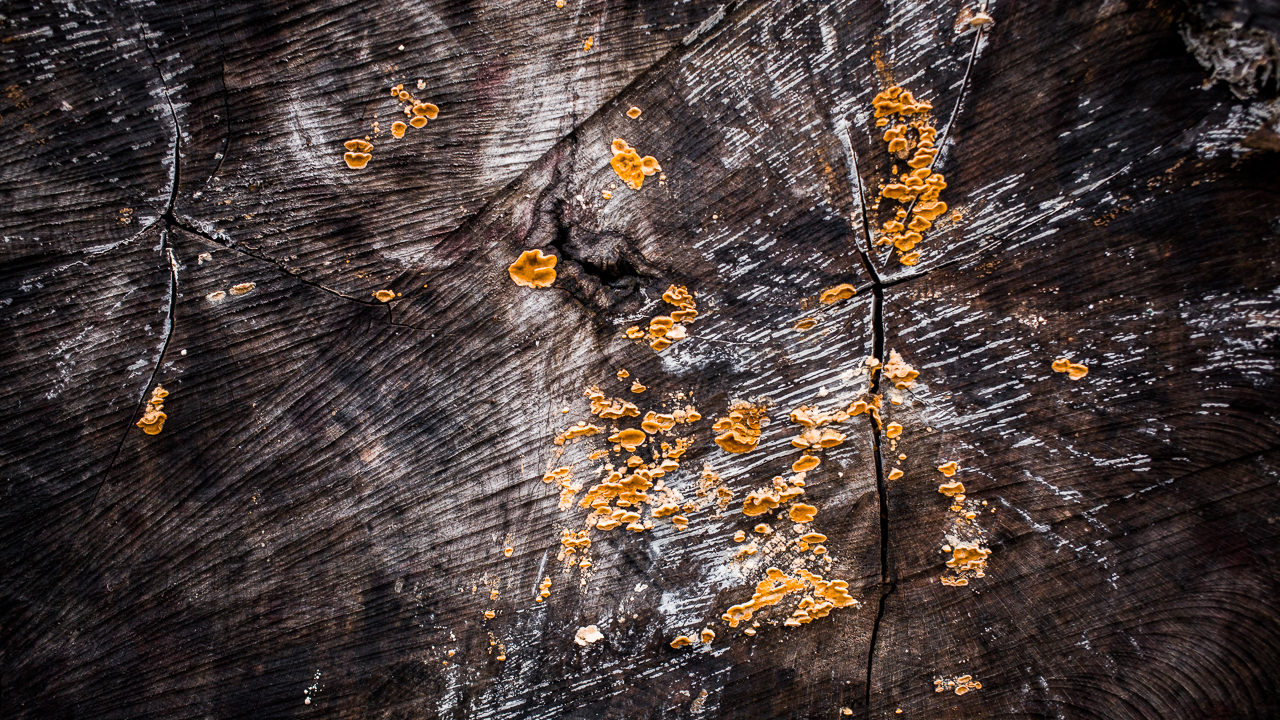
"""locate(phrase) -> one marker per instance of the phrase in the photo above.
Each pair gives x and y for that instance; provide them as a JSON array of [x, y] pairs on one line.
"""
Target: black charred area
[[345, 516]]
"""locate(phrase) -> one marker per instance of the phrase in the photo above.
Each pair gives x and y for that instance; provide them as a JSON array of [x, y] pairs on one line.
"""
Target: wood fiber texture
[[317, 529]]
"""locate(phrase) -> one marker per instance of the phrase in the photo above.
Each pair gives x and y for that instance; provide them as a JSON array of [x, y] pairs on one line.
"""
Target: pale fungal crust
[[1074, 371], [385, 295], [216, 296], [533, 269], [634, 112], [243, 288], [833, 295], [949, 468], [739, 431], [152, 421], [587, 635]]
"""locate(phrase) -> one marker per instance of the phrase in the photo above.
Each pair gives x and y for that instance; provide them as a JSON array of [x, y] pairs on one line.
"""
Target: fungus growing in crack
[[628, 439], [533, 269], [833, 295], [806, 463], [1074, 371], [152, 421], [397, 129], [949, 468], [634, 112], [801, 513], [243, 288], [385, 295]]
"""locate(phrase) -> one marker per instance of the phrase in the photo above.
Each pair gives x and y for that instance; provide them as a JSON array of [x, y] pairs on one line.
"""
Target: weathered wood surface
[[312, 532]]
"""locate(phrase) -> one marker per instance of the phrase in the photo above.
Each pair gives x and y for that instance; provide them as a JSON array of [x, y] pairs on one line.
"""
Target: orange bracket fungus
[[397, 129], [628, 439], [357, 155], [806, 463], [949, 468], [769, 591], [833, 295], [739, 432], [533, 269], [152, 421], [634, 112], [629, 166], [951, 489], [801, 513], [384, 295], [680, 642], [1075, 371]]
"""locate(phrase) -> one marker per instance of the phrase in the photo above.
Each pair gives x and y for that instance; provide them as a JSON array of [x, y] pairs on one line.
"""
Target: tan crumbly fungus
[[243, 288], [1075, 371], [587, 635], [152, 421], [629, 166], [634, 112], [216, 296], [801, 513], [833, 295], [385, 295], [739, 431], [533, 269], [899, 372], [681, 641], [397, 129], [949, 468]]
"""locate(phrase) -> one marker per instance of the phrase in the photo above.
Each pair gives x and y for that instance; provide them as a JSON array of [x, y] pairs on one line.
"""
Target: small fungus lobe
[[802, 513], [833, 295], [1074, 371], [533, 269], [949, 468], [152, 421], [385, 295], [634, 112], [587, 635]]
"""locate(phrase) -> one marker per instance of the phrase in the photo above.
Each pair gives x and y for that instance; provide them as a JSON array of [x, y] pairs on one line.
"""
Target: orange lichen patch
[[587, 635], [896, 101], [969, 556], [760, 502], [385, 295], [769, 591], [892, 430], [418, 122], [949, 468], [1075, 371], [654, 423], [708, 635], [398, 128], [634, 332], [951, 489], [806, 463], [356, 160], [576, 432], [152, 421], [634, 112], [637, 388], [833, 295], [358, 146], [629, 439], [586, 45], [242, 288], [681, 641], [899, 371], [801, 513], [740, 429], [804, 324], [533, 269], [894, 474]]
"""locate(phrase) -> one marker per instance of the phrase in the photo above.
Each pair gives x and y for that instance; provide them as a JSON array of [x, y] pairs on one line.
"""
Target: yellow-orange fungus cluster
[[826, 595], [629, 166], [918, 190], [152, 421], [357, 155], [1075, 371], [533, 269], [739, 431], [960, 685], [667, 329]]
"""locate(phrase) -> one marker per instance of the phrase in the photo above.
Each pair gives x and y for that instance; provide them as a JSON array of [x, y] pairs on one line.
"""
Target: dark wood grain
[[316, 529]]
